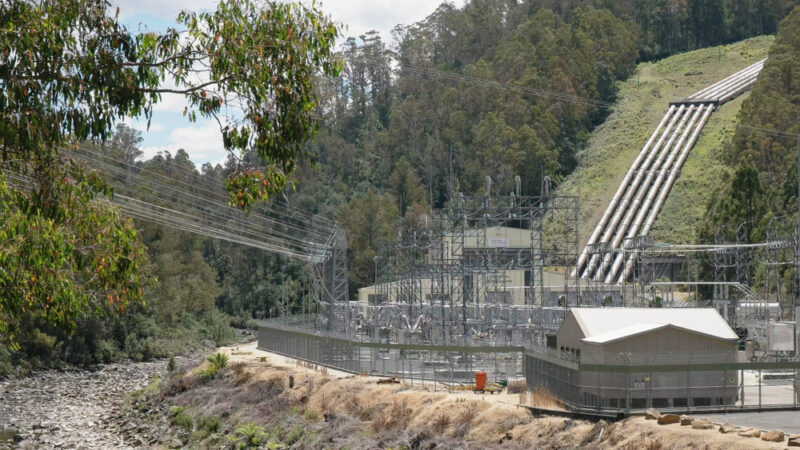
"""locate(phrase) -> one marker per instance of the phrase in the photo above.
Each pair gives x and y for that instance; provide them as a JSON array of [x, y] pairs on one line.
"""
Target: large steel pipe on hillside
[[668, 186], [621, 191], [654, 189], [734, 86], [631, 190], [619, 212], [707, 92], [735, 93], [632, 208], [703, 93]]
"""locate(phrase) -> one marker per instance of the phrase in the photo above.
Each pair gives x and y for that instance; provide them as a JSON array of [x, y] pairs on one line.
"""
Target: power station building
[[505, 286], [642, 357]]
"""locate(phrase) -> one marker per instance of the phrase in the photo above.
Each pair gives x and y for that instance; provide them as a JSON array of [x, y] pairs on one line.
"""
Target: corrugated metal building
[[629, 338]]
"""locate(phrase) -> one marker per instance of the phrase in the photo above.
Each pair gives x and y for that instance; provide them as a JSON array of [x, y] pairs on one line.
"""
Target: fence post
[[759, 389]]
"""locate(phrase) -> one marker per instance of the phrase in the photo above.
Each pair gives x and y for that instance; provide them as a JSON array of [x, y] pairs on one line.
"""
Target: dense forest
[[763, 154], [397, 138]]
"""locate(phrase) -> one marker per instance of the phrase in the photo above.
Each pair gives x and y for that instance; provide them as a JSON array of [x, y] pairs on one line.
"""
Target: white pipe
[[704, 91], [620, 192], [715, 90], [653, 190], [629, 190], [737, 84], [668, 186], [721, 91], [632, 208], [735, 93]]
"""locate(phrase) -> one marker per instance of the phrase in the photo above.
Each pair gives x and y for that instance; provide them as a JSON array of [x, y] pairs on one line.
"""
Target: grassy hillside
[[643, 100]]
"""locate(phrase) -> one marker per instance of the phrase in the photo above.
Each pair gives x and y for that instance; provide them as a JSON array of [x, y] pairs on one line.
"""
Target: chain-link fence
[[411, 361], [690, 385]]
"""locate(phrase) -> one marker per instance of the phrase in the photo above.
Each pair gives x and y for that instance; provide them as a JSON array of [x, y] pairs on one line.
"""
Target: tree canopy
[[69, 71]]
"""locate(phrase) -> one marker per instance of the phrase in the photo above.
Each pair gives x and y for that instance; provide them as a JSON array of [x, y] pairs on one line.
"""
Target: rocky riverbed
[[78, 408]]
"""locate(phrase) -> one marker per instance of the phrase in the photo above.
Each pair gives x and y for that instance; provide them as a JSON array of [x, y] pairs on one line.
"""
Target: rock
[[667, 419], [772, 436], [175, 443], [727, 427], [750, 432], [794, 442], [686, 420], [652, 414], [702, 424]]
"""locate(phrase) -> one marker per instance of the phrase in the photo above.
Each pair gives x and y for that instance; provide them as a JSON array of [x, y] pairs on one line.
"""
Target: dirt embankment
[[254, 398]]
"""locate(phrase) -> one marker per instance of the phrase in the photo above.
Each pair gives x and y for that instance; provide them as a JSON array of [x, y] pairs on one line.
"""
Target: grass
[[642, 101]]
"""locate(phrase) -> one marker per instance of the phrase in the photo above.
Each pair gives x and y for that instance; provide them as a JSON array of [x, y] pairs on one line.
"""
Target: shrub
[[210, 424], [208, 373], [181, 419], [171, 364], [218, 360], [250, 435]]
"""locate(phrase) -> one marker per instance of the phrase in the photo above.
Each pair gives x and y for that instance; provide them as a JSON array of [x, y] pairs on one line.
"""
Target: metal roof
[[600, 325]]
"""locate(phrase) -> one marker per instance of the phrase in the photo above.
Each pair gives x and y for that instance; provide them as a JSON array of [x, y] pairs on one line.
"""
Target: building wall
[[663, 346], [570, 334], [506, 286]]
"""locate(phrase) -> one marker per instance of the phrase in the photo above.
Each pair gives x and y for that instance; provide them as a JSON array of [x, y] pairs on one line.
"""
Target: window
[[660, 403], [701, 401]]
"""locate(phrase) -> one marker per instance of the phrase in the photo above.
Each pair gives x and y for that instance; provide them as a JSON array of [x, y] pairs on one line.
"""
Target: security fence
[[632, 382], [667, 385], [410, 361]]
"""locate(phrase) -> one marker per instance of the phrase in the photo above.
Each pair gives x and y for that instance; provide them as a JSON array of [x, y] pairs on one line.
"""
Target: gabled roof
[[601, 325]]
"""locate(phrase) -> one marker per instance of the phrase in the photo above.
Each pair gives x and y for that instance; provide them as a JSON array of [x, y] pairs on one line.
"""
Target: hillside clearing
[[641, 104]]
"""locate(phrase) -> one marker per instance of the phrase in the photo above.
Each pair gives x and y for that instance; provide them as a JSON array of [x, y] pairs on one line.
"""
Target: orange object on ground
[[480, 380]]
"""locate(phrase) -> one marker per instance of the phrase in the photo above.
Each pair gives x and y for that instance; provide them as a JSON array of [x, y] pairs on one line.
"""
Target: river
[[76, 408]]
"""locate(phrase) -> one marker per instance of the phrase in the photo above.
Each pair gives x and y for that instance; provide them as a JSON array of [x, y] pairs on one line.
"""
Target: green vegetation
[[73, 273], [643, 100], [80, 284], [763, 153], [218, 360], [250, 435]]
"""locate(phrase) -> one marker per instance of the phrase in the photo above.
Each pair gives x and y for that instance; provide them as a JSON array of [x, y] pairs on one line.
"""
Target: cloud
[[203, 143], [361, 16], [141, 125]]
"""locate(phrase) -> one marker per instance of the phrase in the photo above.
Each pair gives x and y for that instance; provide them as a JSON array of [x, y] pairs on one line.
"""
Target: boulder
[[702, 424], [794, 442], [652, 414], [667, 419], [686, 420], [727, 428], [750, 432], [772, 436]]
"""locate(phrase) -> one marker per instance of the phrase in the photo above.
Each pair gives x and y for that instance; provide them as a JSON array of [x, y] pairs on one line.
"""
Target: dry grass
[[464, 420], [395, 417], [440, 423], [355, 412]]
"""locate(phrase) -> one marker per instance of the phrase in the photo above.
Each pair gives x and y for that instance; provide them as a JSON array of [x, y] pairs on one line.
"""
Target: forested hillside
[[453, 99], [765, 148], [419, 136]]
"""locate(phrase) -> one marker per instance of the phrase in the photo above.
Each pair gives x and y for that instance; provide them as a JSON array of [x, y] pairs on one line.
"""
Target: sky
[[170, 130]]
